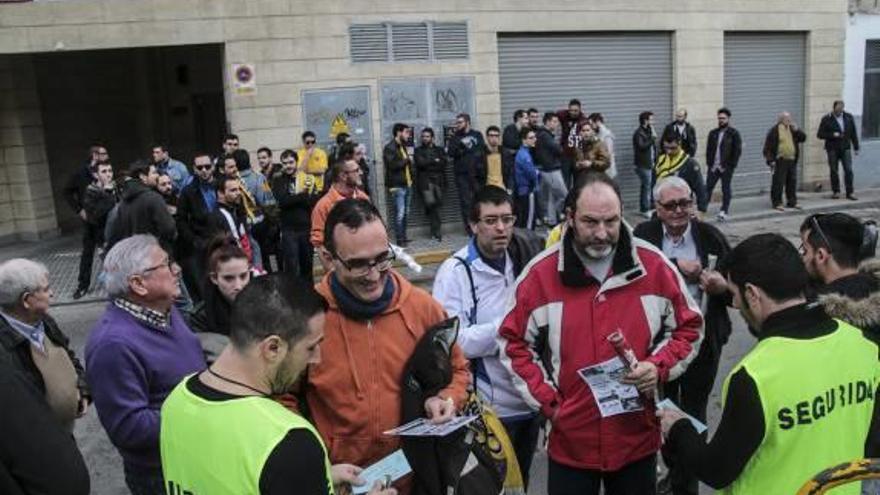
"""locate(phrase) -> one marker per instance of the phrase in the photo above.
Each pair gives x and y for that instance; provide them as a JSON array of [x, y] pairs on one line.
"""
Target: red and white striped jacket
[[559, 322]]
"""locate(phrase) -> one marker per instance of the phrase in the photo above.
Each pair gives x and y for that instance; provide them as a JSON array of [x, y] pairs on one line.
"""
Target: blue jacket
[[178, 172], [526, 173]]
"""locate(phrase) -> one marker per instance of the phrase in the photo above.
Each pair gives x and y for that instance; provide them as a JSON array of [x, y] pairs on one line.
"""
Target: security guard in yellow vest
[[804, 399], [221, 431]]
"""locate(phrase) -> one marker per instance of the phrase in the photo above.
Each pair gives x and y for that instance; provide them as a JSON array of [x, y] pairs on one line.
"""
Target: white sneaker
[[721, 216], [647, 214]]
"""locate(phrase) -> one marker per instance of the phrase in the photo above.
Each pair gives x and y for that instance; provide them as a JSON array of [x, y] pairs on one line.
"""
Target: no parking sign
[[244, 79]]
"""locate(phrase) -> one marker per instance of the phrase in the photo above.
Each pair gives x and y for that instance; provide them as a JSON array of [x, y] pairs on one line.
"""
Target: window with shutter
[[871, 93]]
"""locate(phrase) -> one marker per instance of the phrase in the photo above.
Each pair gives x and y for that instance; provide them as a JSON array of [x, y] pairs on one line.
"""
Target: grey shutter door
[[763, 76], [616, 74]]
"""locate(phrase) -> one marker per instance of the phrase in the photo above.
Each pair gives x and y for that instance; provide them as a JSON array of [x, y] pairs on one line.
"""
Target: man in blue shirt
[[166, 165], [197, 201]]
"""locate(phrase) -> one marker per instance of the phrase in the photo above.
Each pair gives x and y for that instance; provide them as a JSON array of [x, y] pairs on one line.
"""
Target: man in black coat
[[399, 178], [838, 129], [295, 204], [781, 151], [686, 132], [644, 155], [431, 162], [723, 149], [142, 209], [467, 150], [690, 245], [197, 201], [510, 140]]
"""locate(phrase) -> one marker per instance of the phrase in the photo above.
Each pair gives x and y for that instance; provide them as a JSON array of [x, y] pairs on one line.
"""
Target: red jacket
[[559, 325]]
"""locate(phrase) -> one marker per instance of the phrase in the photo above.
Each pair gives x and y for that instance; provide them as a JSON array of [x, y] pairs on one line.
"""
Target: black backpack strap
[[472, 316]]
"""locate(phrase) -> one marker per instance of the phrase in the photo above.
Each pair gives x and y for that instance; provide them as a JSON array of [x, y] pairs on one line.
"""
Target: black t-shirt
[[296, 464]]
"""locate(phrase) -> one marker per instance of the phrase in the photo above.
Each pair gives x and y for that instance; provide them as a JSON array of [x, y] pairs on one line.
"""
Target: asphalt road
[[105, 465]]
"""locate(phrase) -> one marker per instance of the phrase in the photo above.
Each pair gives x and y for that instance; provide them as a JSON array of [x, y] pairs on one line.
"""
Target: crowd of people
[[211, 374]]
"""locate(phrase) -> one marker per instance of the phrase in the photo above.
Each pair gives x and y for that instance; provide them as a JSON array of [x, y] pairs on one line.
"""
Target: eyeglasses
[[493, 134], [683, 204], [360, 268], [167, 263], [310, 141], [506, 220], [202, 167]]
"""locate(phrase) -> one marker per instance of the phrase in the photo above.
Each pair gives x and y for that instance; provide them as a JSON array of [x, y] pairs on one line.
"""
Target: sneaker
[[80, 292], [795, 207], [779, 208], [835, 195], [721, 216], [851, 197]]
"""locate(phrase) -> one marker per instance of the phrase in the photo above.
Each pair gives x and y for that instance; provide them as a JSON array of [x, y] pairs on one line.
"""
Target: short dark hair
[[836, 102], [644, 116], [525, 132], [586, 179], [161, 146], [518, 114], [351, 212], [308, 134], [770, 262], [221, 180], [341, 138], [839, 233], [548, 116], [276, 304], [574, 101], [398, 128], [103, 163], [229, 136], [428, 130], [465, 116], [288, 153], [138, 168], [242, 159], [265, 150], [725, 111], [200, 153], [596, 117], [532, 110], [671, 137], [493, 128], [493, 195]]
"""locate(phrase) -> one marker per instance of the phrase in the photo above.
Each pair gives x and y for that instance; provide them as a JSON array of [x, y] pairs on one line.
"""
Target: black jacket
[[731, 148], [467, 150], [430, 162], [142, 211], [97, 203], [75, 189], [688, 140], [849, 137], [193, 225], [37, 455], [218, 225], [644, 148], [548, 151], [771, 144], [295, 209], [395, 165], [709, 240], [15, 349]]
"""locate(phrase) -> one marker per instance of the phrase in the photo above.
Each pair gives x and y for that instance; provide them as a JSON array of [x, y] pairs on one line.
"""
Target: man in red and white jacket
[[568, 300]]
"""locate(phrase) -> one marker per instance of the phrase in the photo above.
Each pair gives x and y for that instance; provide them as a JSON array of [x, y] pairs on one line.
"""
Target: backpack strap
[[472, 315]]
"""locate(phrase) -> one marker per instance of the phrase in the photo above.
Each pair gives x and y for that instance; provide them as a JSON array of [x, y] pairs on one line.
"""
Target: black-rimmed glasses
[[361, 267]]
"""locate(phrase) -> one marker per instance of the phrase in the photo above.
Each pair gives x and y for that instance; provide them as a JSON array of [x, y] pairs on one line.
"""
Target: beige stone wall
[[300, 44]]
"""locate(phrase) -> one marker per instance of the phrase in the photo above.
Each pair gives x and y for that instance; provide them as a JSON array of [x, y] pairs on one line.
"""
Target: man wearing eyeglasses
[[346, 184], [139, 350], [374, 321], [312, 159], [475, 285], [198, 200], [689, 243], [674, 162]]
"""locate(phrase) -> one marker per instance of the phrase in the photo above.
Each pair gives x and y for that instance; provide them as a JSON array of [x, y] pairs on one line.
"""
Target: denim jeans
[[552, 195], [646, 177], [402, 197]]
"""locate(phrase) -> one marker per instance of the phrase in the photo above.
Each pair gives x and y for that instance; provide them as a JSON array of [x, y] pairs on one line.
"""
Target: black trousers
[[93, 235], [525, 209], [691, 392], [194, 274], [298, 256], [434, 219], [636, 478], [784, 177], [843, 157], [266, 234], [465, 198], [523, 435]]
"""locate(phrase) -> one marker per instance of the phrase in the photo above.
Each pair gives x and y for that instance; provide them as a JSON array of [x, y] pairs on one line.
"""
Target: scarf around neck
[[356, 309]]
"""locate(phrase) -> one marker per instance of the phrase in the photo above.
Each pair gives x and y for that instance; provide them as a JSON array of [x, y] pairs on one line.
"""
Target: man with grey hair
[[690, 244], [781, 152], [137, 353], [32, 343]]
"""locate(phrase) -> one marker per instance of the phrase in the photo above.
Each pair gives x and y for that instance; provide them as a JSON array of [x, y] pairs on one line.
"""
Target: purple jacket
[[132, 367]]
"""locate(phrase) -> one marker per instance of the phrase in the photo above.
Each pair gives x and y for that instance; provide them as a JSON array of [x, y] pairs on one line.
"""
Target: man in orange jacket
[[375, 319]]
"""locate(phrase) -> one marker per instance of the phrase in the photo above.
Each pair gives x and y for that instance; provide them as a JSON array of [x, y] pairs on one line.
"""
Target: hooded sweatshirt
[[354, 394], [142, 211]]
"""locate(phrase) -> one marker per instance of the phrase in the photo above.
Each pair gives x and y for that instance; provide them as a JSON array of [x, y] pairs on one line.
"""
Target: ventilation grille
[[872, 55], [408, 42]]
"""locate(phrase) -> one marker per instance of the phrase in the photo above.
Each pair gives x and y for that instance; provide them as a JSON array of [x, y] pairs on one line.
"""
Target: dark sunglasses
[[310, 141], [683, 204], [202, 167]]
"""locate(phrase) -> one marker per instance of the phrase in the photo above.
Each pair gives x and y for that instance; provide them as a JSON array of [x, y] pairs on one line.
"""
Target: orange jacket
[[322, 209], [354, 393]]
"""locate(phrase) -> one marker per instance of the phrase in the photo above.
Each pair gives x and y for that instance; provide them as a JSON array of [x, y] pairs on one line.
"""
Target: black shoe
[[80, 292], [851, 197]]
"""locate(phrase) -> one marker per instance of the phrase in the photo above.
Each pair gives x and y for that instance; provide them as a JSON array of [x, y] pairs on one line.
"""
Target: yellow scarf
[[669, 165]]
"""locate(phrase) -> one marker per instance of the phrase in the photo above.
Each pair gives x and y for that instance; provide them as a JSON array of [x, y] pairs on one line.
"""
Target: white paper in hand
[[393, 465], [669, 405]]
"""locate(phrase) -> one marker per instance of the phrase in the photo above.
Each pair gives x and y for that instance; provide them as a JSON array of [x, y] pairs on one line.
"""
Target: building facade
[[184, 71], [861, 90]]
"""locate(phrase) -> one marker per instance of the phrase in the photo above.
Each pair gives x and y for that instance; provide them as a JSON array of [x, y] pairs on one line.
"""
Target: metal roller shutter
[[616, 74], [763, 76]]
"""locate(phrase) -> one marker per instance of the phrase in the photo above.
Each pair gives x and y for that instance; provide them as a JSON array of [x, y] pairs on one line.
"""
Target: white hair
[[127, 258], [671, 182], [17, 276]]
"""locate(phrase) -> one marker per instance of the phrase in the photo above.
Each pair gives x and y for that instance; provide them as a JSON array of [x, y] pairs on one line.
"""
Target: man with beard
[[684, 130], [838, 130], [723, 149], [174, 169], [229, 217], [194, 207], [570, 120], [276, 332], [346, 184], [804, 399], [467, 150], [567, 303]]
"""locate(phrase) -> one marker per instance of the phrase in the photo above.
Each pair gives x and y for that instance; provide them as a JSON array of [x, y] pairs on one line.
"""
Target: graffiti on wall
[[328, 112]]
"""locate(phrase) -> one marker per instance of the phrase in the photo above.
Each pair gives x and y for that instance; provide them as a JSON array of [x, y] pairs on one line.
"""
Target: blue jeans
[[646, 177], [523, 433], [402, 198]]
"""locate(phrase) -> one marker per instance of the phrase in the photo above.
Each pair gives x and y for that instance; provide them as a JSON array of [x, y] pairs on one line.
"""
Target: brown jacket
[[354, 394], [594, 152]]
